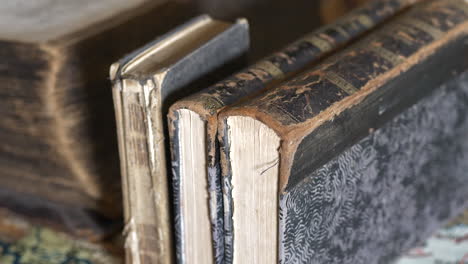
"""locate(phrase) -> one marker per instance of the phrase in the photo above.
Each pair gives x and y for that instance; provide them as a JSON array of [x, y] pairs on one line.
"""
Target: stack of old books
[[349, 145]]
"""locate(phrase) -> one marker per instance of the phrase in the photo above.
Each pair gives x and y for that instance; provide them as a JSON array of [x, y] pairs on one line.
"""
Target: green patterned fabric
[[43, 246]]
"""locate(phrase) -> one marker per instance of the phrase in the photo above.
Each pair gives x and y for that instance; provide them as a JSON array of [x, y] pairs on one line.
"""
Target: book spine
[[297, 55], [147, 230], [392, 49]]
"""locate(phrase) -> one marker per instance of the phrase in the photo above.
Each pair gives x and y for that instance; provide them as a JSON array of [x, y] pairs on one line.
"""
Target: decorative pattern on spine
[[298, 55], [350, 71], [255, 79]]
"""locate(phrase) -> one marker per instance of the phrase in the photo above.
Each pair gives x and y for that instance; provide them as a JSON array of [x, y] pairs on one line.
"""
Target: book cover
[[143, 83], [336, 163], [202, 109]]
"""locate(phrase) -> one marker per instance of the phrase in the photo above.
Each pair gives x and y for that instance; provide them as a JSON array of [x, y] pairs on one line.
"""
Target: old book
[[333, 167], [58, 153], [193, 129], [143, 83]]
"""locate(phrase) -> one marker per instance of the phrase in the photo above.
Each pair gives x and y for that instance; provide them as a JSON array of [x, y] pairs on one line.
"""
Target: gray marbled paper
[[387, 193]]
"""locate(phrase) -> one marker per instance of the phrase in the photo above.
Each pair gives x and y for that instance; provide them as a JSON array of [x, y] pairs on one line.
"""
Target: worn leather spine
[[258, 77], [322, 112]]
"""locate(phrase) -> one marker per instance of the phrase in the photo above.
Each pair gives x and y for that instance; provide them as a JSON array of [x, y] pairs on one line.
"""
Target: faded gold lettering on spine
[[355, 25], [365, 20], [340, 30], [321, 44], [387, 55], [394, 31], [340, 82], [423, 26], [270, 68], [211, 102], [403, 39]]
